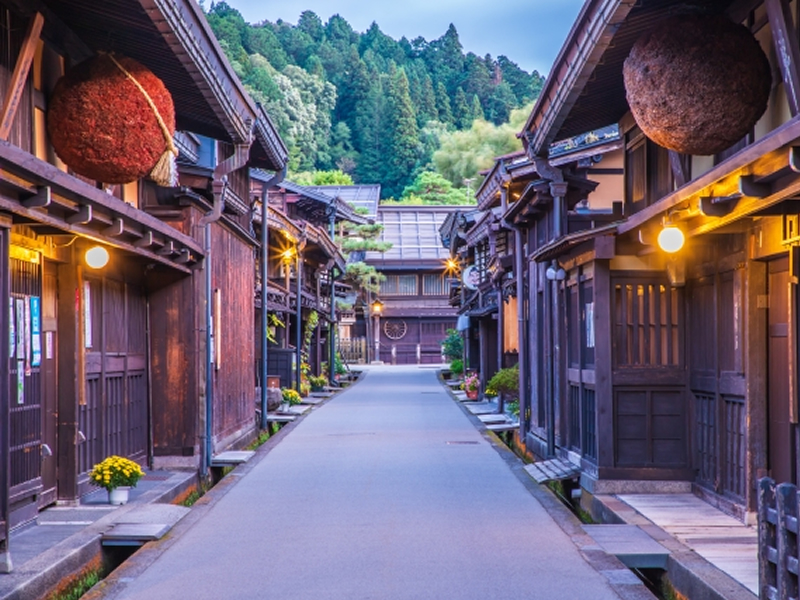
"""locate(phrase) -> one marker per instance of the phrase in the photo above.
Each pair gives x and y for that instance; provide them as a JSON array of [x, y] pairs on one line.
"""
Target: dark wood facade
[[648, 369], [115, 360]]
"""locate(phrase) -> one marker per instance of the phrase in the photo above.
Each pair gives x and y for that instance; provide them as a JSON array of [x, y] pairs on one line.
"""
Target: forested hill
[[364, 103]]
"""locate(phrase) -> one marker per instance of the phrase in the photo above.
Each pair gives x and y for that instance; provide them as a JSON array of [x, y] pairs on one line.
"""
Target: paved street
[[387, 491]]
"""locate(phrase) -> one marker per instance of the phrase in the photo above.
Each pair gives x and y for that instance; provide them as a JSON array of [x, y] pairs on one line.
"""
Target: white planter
[[118, 495]]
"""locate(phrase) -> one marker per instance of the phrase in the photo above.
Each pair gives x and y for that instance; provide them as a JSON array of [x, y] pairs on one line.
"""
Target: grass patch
[[193, 497], [263, 436], [565, 495], [79, 586]]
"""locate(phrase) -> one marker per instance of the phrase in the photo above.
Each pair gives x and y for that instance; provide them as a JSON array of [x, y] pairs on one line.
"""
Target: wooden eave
[[277, 221], [39, 194], [565, 243], [751, 182], [480, 231], [319, 237], [174, 40]]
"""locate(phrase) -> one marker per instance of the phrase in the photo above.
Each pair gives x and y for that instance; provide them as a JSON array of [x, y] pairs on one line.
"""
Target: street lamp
[[96, 257], [377, 308]]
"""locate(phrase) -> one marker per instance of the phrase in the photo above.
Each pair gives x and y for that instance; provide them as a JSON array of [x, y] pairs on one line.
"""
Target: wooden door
[[49, 384], [26, 397], [779, 429]]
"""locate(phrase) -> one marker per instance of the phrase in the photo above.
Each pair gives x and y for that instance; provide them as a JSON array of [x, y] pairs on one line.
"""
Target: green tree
[[462, 112], [431, 188], [500, 103], [443, 104], [426, 110], [402, 135]]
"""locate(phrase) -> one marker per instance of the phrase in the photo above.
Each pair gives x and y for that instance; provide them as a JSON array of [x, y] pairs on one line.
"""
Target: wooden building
[[650, 370], [145, 357], [413, 309], [314, 216]]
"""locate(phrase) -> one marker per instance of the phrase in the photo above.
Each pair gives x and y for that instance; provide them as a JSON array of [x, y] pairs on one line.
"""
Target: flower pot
[[472, 394], [118, 495], [285, 407]]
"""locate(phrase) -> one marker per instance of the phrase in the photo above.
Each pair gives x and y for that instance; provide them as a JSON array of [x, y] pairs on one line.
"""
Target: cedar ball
[[697, 83], [101, 124]]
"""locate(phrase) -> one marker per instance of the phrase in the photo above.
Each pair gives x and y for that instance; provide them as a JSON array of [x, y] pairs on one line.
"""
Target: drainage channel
[[646, 558]]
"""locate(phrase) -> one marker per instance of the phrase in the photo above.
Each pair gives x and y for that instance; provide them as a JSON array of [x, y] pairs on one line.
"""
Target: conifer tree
[[402, 136], [462, 112], [443, 104]]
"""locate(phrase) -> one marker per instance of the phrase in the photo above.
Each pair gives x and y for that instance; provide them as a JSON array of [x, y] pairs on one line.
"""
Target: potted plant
[[471, 385], [117, 475], [290, 397], [318, 382]]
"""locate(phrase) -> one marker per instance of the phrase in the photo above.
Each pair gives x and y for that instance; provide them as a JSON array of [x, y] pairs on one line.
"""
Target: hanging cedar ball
[[697, 84], [101, 123]]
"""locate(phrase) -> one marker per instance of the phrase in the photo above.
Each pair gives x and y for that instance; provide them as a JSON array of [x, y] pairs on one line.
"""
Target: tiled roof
[[360, 196]]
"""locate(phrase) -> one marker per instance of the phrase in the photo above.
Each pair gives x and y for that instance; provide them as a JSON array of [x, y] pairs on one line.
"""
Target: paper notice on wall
[[12, 329], [590, 324], [20, 307], [87, 314], [20, 382], [48, 345], [36, 332]]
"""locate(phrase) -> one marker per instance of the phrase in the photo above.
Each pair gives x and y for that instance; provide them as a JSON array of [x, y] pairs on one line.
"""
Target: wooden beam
[[40, 199], [83, 216], [185, 256], [748, 186], [17, 84], [145, 241], [717, 207], [116, 228], [785, 40], [168, 249], [678, 168]]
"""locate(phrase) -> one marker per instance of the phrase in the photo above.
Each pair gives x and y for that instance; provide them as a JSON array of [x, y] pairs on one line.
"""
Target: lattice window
[[648, 318], [399, 285], [433, 285]]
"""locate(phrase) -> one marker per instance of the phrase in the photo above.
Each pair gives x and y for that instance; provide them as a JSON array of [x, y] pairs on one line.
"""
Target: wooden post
[[786, 49], [786, 495], [70, 373], [20, 76], [767, 542], [755, 352], [5, 462]]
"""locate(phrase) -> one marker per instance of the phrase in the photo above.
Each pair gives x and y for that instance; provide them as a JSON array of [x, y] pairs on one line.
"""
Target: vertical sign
[[87, 314], [27, 307], [48, 346], [20, 382], [36, 331], [590, 324], [20, 307], [12, 326]]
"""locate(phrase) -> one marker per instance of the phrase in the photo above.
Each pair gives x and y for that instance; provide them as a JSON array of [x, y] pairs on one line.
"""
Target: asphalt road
[[388, 491]]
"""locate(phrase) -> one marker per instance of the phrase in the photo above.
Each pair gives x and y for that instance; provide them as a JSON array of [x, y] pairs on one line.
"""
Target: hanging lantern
[[112, 120], [697, 83]]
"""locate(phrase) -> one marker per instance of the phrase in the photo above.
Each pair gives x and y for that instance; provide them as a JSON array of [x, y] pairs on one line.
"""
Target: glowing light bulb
[[671, 239], [97, 257]]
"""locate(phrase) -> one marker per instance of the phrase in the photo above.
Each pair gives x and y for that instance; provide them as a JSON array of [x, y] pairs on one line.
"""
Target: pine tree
[[477, 109], [402, 136], [443, 104], [462, 112], [427, 105]]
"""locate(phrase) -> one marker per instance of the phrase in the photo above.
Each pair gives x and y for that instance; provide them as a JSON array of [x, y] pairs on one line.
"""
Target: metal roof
[[360, 196], [413, 232]]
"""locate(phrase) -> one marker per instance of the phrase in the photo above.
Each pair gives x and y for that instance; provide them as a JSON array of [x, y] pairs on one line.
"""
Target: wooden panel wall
[[233, 273]]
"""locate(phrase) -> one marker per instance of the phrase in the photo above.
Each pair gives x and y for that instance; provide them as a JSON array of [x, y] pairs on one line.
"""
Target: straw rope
[[165, 173]]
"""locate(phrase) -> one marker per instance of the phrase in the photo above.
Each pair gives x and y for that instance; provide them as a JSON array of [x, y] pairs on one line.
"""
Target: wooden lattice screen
[[777, 540]]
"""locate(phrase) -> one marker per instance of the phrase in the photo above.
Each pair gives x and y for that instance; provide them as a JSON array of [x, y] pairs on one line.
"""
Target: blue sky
[[529, 32]]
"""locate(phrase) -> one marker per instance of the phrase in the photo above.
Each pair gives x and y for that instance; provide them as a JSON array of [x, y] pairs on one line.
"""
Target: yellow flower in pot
[[116, 474]]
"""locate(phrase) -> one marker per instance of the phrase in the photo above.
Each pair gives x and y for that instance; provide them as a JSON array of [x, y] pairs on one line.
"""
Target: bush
[[506, 382], [318, 382], [291, 396], [457, 367], [452, 345]]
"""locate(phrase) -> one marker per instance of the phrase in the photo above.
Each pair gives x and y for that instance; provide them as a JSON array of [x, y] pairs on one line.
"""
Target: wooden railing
[[353, 350], [777, 540]]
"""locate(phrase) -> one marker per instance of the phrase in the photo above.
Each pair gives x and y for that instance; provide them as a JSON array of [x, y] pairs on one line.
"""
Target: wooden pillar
[[71, 357], [755, 324], [604, 390], [5, 407]]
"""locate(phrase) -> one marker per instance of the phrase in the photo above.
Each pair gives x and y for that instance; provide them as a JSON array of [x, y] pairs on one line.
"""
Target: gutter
[[265, 186], [219, 183]]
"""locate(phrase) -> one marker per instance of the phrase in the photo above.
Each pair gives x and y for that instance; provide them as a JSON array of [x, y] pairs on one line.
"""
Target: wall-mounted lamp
[[288, 254], [451, 264], [555, 273], [96, 257], [377, 307], [671, 238]]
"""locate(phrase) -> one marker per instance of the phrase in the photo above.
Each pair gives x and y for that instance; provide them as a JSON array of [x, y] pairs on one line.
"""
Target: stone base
[[616, 486]]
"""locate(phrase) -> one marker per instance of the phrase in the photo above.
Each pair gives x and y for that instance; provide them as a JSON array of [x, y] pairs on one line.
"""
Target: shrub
[[317, 382], [472, 383], [291, 396], [457, 366], [506, 382], [452, 345]]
